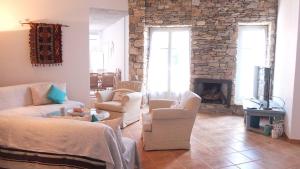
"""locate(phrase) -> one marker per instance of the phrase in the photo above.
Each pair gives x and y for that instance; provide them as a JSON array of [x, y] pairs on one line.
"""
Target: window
[[169, 62], [252, 51]]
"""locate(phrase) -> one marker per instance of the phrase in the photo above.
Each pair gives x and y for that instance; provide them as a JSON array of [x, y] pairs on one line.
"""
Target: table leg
[[248, 121]]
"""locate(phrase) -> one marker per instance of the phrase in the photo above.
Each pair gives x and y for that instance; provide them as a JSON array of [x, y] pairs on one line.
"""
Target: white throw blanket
[[61, 136]]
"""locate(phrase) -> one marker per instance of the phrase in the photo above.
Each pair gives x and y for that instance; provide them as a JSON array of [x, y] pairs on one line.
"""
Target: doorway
[[108, 47]]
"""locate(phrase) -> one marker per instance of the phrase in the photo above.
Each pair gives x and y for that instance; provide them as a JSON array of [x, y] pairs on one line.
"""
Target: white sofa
[[17, 100], [20, 121], [169, 125]]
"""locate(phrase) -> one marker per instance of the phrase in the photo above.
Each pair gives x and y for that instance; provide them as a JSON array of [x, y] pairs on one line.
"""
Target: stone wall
[[168, 12], [136, 39], [214, 26]]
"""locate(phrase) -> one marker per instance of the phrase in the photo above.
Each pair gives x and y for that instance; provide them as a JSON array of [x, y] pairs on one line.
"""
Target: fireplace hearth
[[216, 91]]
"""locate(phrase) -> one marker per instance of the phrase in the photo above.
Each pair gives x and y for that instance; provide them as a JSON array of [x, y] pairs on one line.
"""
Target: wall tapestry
[[45, 44]]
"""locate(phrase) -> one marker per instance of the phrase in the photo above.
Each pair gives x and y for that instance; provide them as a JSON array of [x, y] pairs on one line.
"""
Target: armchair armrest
[[147, 122], [132, 101], [160, 103], [167, 113], [131, 97], [104, 96]]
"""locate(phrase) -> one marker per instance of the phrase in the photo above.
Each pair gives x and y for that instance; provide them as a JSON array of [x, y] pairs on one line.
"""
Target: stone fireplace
[[216, 91]]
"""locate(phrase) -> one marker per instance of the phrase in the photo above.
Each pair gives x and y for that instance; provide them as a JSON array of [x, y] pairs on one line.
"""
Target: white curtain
[[252, 51], [169, 62]]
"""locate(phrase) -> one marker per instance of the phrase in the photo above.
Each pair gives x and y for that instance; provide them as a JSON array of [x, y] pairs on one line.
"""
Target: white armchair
[[169, 125], [126, 106]]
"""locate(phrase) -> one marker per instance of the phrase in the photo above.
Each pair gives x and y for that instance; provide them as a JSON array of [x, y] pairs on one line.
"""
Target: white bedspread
[[61, 136]]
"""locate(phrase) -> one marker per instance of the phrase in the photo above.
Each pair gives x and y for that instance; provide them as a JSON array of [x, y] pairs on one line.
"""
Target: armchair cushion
[[110, 106], [127, 102], [170, 113], [104, 96], [160, 103]]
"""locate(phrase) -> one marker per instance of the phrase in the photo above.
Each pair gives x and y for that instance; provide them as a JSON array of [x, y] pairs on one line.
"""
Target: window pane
[[169, 72], [160, 39], [252, 51], [158, 62], [96, 55], [180, 61]]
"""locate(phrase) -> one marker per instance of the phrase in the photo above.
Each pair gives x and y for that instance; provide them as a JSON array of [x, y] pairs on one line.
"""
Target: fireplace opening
[[212, 93], [214, 90]]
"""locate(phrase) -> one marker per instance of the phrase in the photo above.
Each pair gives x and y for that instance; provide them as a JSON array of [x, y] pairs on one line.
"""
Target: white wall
[[126, 62], [15, 67], [295, 130], [286, 83], [116, 34]]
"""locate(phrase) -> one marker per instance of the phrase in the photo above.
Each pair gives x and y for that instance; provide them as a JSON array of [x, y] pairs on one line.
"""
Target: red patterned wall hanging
[[45, 44]]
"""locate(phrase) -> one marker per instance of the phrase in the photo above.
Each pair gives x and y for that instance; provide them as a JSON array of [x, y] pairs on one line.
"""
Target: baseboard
[[293, 141]]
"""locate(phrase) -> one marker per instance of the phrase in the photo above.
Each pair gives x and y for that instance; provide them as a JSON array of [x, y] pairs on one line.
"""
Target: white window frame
[[170, 30], [267, 59]]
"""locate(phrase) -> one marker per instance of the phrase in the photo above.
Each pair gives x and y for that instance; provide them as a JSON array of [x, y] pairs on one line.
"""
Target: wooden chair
[[107, 80], [94, 81]]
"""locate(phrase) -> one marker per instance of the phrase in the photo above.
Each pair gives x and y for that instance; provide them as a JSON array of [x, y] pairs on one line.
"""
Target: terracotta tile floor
[[221, 141]]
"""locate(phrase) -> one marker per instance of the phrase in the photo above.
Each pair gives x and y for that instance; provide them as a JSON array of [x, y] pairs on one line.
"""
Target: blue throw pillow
[[56, 95]]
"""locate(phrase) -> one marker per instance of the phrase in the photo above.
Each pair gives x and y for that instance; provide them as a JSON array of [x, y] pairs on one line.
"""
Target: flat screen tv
[[262, 85]]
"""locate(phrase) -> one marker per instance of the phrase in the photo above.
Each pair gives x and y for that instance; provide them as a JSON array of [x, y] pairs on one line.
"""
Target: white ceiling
[[102, 18]]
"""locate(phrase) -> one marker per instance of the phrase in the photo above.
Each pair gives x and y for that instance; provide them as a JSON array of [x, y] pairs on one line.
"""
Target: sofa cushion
[[110, 106], [39, 93], [15, 96], [56, 95]]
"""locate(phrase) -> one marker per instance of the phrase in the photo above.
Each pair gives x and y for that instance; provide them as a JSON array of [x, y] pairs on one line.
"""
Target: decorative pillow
[[120, 93], [63, 87], [39, 93], [56, 95], [118, 96], [115, 125]]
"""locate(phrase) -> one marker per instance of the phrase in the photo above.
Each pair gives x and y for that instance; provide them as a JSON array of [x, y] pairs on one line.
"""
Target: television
[[262, 86]]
